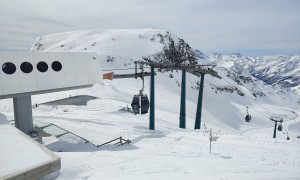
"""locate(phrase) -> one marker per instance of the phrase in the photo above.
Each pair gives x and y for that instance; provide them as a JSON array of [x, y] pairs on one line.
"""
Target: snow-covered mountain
[[274, 70], [118, 49], [226, 97]]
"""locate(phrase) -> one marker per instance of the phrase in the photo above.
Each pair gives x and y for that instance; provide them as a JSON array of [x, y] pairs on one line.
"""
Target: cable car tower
[[196, 69], [279, 127]]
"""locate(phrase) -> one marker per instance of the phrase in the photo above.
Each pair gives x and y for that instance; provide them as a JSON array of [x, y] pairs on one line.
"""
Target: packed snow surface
[[17, 152], [247, 151]]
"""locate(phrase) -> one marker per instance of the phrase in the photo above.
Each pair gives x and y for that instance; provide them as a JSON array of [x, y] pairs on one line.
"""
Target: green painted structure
[[274, 134], [152, 101], [182, 118], [199, 105]]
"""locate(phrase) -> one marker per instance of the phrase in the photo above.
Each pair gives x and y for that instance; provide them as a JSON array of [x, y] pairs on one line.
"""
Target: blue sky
[[252, 27]]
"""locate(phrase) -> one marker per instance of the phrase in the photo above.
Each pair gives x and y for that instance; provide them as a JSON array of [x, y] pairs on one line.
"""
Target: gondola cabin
[[279, 127], [140, 104], [136, 104], [145, 104], [248, 118]]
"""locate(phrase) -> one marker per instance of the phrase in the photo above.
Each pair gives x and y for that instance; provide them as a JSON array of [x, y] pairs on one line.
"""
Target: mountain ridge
[[118, 49], [283, 70]]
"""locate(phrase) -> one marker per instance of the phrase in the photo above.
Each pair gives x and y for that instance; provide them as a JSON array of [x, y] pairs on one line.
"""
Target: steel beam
[[199, 105], [275, 127], [182, 118], [152, 101]]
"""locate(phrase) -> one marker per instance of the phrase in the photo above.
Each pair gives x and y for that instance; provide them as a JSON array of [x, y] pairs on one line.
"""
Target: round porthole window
[[9, 68], [56, 66], [42, 66], [26, 67]]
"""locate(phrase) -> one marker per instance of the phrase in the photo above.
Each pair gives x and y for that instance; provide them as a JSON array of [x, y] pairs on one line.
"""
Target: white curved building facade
[[28, 73]]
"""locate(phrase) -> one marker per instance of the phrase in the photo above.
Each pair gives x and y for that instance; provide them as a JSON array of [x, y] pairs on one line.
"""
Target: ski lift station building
[[24, 74]]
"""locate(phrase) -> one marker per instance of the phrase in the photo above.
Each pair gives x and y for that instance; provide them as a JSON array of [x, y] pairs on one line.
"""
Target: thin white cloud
[[231, 24]]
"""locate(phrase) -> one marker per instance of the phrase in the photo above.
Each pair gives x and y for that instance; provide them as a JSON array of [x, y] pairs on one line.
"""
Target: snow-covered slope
[[243, 148], [22, 156], [118, 49]]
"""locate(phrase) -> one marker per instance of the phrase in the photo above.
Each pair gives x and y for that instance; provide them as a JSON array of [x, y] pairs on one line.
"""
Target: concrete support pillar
[[23, 113]]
